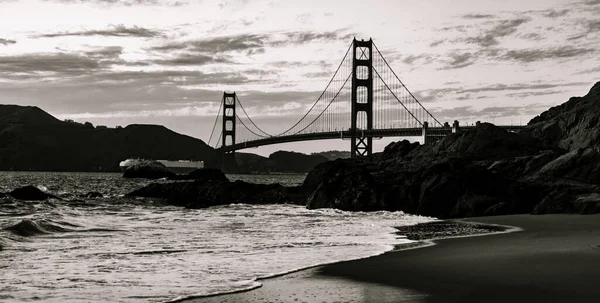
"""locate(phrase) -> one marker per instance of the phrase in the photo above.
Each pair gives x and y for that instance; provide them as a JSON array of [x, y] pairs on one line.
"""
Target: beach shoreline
[[550, 258]]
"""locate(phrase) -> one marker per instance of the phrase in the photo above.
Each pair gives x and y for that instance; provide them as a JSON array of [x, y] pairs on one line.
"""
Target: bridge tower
[[228, 162], [362, 98]]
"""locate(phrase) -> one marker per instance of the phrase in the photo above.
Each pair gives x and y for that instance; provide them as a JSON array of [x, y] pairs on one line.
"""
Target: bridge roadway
[[375, 133]]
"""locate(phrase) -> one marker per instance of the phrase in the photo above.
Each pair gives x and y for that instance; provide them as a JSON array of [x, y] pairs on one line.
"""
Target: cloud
[[533, 55], [113, 31], [126, 2], [108, 52], [460, 60], [192, 59], [477, 16], [502, 29], [420, 59], [436, 43], [591, 70], [61, 63], [517, 87], [7, 41], [253, 43], [556, 14], [241, 42], [589, 27]]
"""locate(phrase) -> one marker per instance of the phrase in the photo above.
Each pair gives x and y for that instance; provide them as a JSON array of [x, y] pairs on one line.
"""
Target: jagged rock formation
[[551, 167]]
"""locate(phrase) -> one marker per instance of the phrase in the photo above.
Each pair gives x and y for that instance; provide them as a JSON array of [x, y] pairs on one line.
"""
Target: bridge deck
[[375, 133]]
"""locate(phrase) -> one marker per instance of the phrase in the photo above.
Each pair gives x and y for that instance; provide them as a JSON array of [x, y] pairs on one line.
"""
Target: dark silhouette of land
[[31, 139]]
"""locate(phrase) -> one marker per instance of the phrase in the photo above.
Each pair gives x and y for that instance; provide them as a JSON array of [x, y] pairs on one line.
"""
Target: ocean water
[[116, 249]]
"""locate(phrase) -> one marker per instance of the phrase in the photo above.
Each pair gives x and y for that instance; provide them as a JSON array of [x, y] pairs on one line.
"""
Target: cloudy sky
[[115, 62]]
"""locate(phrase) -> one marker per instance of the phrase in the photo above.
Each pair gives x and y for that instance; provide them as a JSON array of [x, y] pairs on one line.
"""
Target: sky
[[114, 62]]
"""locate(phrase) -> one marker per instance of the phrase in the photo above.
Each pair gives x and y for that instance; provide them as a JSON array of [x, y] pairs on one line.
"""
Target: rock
[[31, 193], [346, 187], [581, 165], [148, 169], [203, 174], [572, 125], [570, 199], [486, 142], [201, 194]]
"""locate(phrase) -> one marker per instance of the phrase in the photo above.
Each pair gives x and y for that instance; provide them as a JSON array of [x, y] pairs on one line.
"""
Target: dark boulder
[[31, 193], [203, 174], [148, 169], [344, 185], [201, 194]]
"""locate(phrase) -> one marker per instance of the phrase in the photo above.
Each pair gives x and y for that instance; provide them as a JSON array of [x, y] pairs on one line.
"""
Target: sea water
[[117, 249]]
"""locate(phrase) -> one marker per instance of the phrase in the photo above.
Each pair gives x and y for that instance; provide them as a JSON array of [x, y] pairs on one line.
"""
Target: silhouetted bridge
[[364, 99]]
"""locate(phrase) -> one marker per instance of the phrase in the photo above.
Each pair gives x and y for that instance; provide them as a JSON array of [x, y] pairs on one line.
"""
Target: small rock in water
[[30, 193], [148, 169]]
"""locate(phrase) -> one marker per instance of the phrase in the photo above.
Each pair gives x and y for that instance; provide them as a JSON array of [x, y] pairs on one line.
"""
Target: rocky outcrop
[[203, 174], [553, 166], [218, 191], [30, 193], [572, 125], [148, 169]]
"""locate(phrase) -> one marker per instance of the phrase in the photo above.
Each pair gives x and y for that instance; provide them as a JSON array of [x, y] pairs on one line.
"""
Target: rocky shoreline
[[552, 166]]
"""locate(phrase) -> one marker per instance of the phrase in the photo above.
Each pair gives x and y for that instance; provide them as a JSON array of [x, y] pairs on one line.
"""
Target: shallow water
[[116, 249]]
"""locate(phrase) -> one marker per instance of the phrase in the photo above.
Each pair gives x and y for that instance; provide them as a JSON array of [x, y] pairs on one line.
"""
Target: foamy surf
[[146, 251]]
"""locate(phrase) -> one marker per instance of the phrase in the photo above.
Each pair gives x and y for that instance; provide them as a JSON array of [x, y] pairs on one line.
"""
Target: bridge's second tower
[[229, 100], [362, 98]]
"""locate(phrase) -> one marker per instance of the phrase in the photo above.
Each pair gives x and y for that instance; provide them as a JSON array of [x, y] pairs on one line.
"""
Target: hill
[[31, 139], [280, 161], [333, 154]]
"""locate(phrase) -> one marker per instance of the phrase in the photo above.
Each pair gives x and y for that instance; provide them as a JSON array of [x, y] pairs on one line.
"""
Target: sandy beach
[[554, 258]]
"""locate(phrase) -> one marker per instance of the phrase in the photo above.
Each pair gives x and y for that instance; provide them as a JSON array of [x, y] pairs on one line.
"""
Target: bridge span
[[363, 100], [433, 133]]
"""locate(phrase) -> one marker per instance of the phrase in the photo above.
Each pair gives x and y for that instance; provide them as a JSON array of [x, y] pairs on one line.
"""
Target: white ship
[[178, 167]]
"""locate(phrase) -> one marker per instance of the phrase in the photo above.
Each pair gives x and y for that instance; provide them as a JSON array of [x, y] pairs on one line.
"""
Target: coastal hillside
[[31, 139], [280, 162], [333, 154]]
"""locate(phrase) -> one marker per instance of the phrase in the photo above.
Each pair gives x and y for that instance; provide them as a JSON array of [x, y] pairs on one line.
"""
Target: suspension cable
[[314, 104], [330, 102], [388, 65], [244, 124], [215, 125], [260, 129], [396, 97]]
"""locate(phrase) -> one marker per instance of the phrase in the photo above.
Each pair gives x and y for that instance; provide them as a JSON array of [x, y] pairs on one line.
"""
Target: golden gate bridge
[[364, 99]]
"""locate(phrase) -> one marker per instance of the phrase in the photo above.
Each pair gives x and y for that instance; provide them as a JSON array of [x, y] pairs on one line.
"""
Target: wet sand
[[554, 258]]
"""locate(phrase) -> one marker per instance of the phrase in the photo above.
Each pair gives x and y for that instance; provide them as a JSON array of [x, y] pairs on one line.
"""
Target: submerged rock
[[148, 169], [31, 193]]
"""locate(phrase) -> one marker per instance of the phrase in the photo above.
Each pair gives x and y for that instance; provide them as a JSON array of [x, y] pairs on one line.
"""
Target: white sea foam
[[133, 251]]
